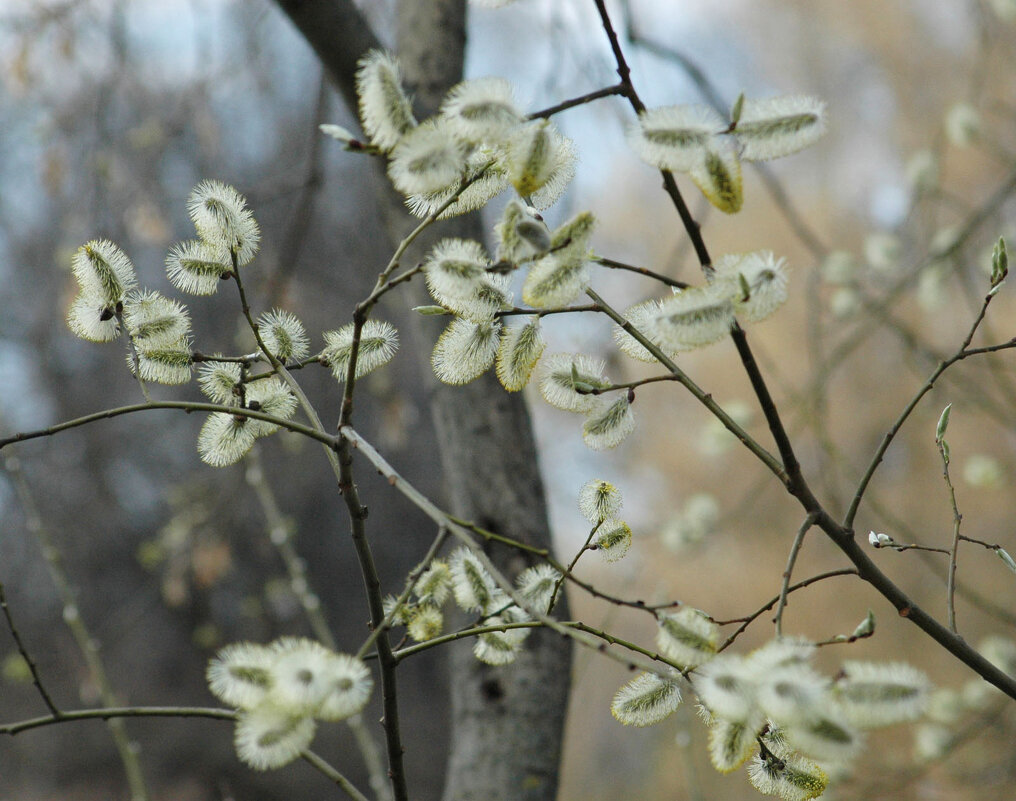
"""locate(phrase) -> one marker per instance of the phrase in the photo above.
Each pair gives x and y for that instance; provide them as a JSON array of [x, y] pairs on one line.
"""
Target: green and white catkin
[[556, 278], [280, 690], [454, 269], [787, 775], [427, 159], [645, 700], [240, 676], [472, 586], [385, 110], [696, 140], [220, 381], [435, 584], [465, 350], [688, 637], [520, 349], [105, 276], [196, 267], [162, 362], [271, 396], [642, 317], [694, 317], [378, 342], [675, 137], [564, 374], [284, 335], [267, 737], [872, 694], [225, 439], [726, 686], [612, 540], [154, 319], [223, 221], [521, 233], [159, 329], [717, 174], [501, 647], [541, 162], [103, 272], [481, 110], [350, 688], [731, 743], [536, 585], [485, 176], [779, 126], [757, 282], [425, 623], [608, 423], [599, 500]]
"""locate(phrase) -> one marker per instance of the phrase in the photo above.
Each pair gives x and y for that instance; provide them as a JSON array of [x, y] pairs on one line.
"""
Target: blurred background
[[112, 111]]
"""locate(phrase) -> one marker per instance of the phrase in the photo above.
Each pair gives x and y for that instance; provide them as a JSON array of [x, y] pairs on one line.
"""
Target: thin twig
[[702, 396], [571, 566], [954, 550], [36, 679], [876, 459], [411, 579], [795, 549], [184, 406], [607, 91], [747, 621], [83, 637], [620, 265]]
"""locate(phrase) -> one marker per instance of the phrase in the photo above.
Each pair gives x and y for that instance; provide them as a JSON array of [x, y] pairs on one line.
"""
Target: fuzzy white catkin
[[222, 220], [674, 137], [645, 700], [385, 110]]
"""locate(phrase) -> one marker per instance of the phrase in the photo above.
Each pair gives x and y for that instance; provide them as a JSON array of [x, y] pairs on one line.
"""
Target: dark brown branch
[[36, 680]]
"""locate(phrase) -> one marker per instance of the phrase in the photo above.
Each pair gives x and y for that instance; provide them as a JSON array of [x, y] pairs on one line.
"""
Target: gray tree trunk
[[507, 723]]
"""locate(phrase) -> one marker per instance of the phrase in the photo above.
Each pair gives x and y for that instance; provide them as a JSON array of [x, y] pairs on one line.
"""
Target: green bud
[[1004, 556], [999, 262], [735, 111], [866, 627], [943, 423], [432, 310]]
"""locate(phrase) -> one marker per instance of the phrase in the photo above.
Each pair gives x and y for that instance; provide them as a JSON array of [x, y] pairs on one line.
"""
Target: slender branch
[[372, 585], [36, 679], [571, 566], [475, 631], [703, 397], [607, 91], [954, 550], [546, 556], [184, 406], [323, 767], [620, 265], [114, 712], [83, 637], [590, 307], [747, 621], [795, 549], [876, 459], [411, 580], [465, 533]]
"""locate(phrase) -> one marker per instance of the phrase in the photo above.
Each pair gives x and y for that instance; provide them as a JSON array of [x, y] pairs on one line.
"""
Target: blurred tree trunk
[[507, 723]]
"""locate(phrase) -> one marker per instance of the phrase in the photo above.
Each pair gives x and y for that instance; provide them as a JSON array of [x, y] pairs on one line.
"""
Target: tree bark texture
[[507, 723]]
